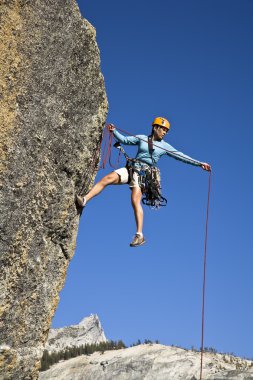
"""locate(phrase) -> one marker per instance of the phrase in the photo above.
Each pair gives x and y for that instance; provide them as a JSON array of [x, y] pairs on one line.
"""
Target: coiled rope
[[104, 148]]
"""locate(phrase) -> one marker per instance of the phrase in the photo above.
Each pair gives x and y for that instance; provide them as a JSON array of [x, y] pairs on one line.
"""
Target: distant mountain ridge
[[151, 362], [88, 331], [144, 361]]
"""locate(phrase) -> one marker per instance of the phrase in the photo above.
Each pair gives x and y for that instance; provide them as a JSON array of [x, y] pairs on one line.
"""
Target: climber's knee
[[110, 179]]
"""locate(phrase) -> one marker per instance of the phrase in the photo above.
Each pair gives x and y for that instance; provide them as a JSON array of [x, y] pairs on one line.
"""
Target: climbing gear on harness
[[149, 179], [162, 122], [137, 240], [150, 184]]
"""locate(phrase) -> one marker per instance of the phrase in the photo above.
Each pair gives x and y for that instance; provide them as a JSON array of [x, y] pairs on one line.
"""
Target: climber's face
[[159, 132]]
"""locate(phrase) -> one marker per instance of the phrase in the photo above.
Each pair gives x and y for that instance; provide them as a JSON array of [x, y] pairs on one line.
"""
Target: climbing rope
[[105, 147], [204, 277], [175, 152]]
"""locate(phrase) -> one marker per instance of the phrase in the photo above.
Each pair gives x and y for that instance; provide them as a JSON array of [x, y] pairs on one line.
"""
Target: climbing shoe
[[81, 201], [137, 240]]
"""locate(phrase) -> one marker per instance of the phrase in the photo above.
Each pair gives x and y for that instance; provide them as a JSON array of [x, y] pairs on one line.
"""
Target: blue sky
[[190, 61]]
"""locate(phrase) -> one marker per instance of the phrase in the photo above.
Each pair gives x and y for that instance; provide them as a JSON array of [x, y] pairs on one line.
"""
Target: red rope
[[107, 150], [166, 150], [204, 278], [107, 140]]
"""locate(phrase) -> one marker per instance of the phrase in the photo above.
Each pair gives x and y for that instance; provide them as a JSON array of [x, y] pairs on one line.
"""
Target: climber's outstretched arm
[[125, 140]]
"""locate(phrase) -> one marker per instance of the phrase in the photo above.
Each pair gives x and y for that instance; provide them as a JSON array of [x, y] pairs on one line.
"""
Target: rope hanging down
[[204, 277], [104, 148]]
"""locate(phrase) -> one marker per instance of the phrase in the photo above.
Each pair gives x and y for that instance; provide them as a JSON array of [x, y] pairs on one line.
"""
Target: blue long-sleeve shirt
[[160, 148]]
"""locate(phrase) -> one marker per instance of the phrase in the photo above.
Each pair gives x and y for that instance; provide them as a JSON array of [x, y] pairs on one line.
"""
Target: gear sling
[[149, 177]]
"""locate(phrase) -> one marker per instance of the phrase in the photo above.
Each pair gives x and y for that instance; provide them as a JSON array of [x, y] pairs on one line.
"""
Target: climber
[[150, 149]]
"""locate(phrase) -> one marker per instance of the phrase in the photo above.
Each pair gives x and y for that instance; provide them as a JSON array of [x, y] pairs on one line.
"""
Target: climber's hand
[[206, 166], [110, 127]]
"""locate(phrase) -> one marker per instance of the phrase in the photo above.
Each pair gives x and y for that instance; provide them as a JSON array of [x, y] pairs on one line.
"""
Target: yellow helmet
[[162, 122]]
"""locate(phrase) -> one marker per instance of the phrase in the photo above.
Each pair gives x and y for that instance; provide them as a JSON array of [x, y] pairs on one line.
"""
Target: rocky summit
[[150, 362], [53, 108], [88, 331]]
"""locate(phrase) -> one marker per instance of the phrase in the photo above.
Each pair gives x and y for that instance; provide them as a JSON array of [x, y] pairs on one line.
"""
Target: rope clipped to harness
[[149, 180]]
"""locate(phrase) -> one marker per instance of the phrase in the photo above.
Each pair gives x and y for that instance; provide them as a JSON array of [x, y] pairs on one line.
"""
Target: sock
[[84, 201], [139, 233]]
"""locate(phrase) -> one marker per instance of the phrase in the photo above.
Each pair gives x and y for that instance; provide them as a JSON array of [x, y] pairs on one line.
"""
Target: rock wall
[[52, 109]]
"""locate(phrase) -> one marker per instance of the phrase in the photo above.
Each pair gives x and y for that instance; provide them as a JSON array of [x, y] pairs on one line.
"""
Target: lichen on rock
[[53, 109]]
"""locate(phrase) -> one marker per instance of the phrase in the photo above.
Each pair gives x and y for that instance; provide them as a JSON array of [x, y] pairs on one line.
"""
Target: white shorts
[[124, 177]]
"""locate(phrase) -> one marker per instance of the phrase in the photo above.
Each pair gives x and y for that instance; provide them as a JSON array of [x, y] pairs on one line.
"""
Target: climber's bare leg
[[137, 207], [110, 179]]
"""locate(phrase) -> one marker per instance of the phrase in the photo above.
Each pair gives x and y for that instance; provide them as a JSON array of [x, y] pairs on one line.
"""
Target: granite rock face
[[150, 362], [88, 331], [53, 107]]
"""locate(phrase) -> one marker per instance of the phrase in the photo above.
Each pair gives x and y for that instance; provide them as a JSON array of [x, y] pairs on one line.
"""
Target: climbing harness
[[149, 179]]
